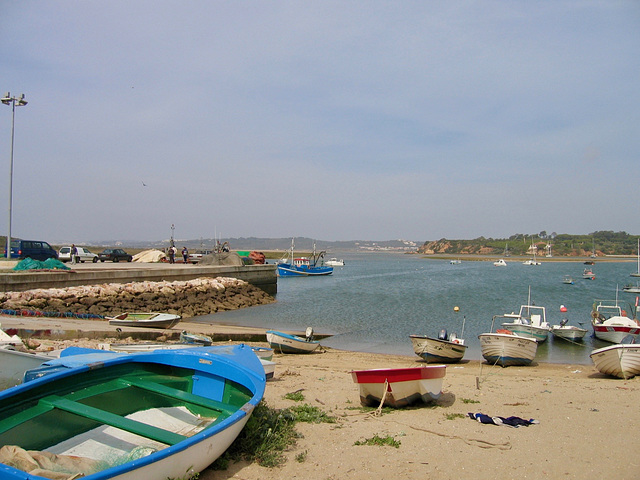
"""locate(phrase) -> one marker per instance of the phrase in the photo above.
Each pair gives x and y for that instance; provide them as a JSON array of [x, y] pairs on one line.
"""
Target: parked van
[[34, 249], [83, 255]]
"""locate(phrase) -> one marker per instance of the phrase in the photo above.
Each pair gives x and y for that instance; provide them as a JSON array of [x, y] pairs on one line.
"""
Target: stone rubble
[[200, 296]]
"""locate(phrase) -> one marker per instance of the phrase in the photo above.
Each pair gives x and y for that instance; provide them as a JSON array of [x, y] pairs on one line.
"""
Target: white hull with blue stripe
[[285, 343]]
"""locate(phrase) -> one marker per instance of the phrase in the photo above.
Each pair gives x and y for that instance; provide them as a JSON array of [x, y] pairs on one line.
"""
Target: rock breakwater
[[200, 296]]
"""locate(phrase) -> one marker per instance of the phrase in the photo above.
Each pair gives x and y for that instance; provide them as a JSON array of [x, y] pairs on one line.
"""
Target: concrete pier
[[262, 276]]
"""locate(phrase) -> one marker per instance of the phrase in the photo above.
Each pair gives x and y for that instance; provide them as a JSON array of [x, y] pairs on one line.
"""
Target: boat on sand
[[162, 414], [399, 387], [447, 348], [147, 320], [505, 348], [286, 343], [14, 363], [621, 360]]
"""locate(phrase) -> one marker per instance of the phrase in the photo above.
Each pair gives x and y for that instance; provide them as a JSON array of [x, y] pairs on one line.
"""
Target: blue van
[[34, 249]]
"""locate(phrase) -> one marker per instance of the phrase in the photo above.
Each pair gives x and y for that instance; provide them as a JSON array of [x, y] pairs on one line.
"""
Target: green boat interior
[[55, 412]]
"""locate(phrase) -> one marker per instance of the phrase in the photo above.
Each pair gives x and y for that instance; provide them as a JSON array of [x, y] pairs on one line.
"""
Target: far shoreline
[[472, 257]]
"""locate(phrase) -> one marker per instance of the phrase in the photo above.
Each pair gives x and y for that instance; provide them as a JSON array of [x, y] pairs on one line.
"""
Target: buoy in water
[[456, 309], [563, 308]]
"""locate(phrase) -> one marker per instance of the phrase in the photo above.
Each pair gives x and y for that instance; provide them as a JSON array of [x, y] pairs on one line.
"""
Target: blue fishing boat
[[291, 266], [104, 415]]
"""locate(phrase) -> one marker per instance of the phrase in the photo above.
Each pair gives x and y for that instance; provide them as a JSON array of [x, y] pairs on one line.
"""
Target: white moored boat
[[610, 323], [568, 332], [505, 348], [530, 322], [500, 263], [621, 360], [334, 262]]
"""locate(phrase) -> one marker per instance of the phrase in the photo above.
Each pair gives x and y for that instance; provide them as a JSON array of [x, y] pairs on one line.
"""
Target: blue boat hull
[[288, 270], [199, 378]]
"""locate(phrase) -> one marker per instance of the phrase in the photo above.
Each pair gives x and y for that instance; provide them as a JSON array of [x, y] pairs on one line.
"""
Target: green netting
[[48, 264]]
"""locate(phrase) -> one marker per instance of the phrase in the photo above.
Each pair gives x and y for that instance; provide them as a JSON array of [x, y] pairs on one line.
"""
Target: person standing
[[172, 254], [73, 254], [185, 255]]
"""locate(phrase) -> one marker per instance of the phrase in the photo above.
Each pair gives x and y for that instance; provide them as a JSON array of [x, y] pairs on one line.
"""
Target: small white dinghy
[[286, 343], [147, 320], [568, 332]]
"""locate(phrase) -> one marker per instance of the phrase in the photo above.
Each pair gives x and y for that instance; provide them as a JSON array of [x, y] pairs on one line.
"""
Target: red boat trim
[[399, 374]]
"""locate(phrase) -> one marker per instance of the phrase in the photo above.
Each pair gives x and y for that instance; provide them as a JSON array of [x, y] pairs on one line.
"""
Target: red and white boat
[[611, 323], [400, 387]]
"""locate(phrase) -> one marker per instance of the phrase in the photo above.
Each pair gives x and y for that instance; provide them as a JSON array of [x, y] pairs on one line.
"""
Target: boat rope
[[378, 410], [480, 379], [38, 313], [573, 341]]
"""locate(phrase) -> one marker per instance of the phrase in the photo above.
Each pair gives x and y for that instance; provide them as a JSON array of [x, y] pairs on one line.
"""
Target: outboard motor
[[443, 334], [309, 334]]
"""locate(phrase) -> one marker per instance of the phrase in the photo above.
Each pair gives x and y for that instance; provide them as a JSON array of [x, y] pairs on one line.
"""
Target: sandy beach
[[586, 424], [585, 430]]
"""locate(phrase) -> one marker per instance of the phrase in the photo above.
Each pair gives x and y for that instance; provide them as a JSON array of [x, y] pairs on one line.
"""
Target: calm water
[[376, 301]]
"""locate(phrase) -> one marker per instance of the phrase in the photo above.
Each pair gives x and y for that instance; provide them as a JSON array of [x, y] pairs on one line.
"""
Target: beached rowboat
[[505, 348], [403, 386], [285, 343], [264, 353], [147, 320], [620, 360], [14, 363], [162, 414], [436, 350]]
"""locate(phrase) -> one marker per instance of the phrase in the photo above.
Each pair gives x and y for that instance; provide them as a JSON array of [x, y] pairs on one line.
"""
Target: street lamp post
[[14, 102]]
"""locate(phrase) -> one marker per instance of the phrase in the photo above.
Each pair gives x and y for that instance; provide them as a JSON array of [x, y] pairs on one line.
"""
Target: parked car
[[34, 249], [84, 255], [114, 255], [195, 257]]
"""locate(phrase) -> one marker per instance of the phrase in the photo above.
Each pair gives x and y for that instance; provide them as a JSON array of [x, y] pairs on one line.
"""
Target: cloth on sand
[[507, 422], [49, 465]]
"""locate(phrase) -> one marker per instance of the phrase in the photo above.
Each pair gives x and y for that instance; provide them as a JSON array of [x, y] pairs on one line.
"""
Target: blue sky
[[332, 120]]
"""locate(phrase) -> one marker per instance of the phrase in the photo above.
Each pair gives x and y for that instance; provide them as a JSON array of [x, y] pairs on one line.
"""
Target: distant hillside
[[267, 244], [605, 243]]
